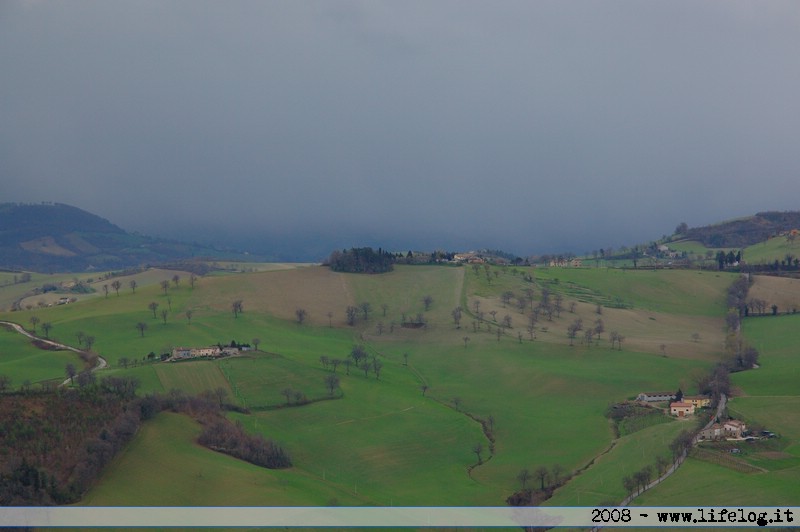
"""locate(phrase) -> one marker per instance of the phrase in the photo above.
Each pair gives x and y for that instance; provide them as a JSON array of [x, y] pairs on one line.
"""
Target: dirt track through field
[[101, 362]]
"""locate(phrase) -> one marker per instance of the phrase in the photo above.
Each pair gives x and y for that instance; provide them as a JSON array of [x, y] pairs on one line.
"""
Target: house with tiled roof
[[734, 428], [714, 432], [681, 409], [699, 401]]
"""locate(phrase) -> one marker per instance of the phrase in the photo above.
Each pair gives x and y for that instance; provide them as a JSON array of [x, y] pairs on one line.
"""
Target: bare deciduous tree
[[457, 403], [288, 393], [116, 285], [142, 326], [358, 353], [599, 327], [506, 296], [478, 449], [351, 312], [133, 285], [572, 332], [301, 315], [524, 476], [71, 372], [332, 383], [365, 308], [237, 307], [542, 474], [153, 306], [46, 327], [558, 304], [457, 317]]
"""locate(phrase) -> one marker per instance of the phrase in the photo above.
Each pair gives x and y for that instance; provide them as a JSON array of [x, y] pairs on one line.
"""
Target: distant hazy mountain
[[58, 237], [743, 232]]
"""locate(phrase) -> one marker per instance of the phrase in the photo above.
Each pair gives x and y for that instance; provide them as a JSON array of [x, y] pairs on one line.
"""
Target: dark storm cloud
[[534, 126]]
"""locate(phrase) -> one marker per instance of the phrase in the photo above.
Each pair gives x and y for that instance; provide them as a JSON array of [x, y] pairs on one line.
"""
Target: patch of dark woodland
[[229, 438], [55, 444], [222, 435]]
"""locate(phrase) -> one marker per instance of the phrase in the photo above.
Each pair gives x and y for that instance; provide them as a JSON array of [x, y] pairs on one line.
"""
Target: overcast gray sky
[[532, 126]]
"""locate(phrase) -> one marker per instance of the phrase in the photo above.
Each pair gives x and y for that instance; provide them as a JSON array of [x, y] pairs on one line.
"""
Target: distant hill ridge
[[743, 232], [59, 237]]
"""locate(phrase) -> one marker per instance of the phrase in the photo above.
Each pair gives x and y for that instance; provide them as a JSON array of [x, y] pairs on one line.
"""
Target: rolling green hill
[[746, 231], [469, 378], [408, 436]]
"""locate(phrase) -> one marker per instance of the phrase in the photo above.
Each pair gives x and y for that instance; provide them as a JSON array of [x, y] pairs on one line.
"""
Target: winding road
[[723, 401], [101, 362]]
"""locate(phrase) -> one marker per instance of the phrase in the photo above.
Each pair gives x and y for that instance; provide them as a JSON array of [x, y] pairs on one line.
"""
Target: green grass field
[[685, 292], [768, 396], [381, 441], [259, 379], [692, 247], [179, 472], [771, 250], [21, 361], [601, 484]]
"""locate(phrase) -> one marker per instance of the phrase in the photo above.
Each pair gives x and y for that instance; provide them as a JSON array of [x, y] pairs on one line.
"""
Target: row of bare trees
[[116, 284], [359, 359], [547, 481], [638, 481]]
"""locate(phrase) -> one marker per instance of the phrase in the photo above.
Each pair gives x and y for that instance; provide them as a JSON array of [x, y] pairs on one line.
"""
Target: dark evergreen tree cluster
[[361, 260], [730, 258]]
